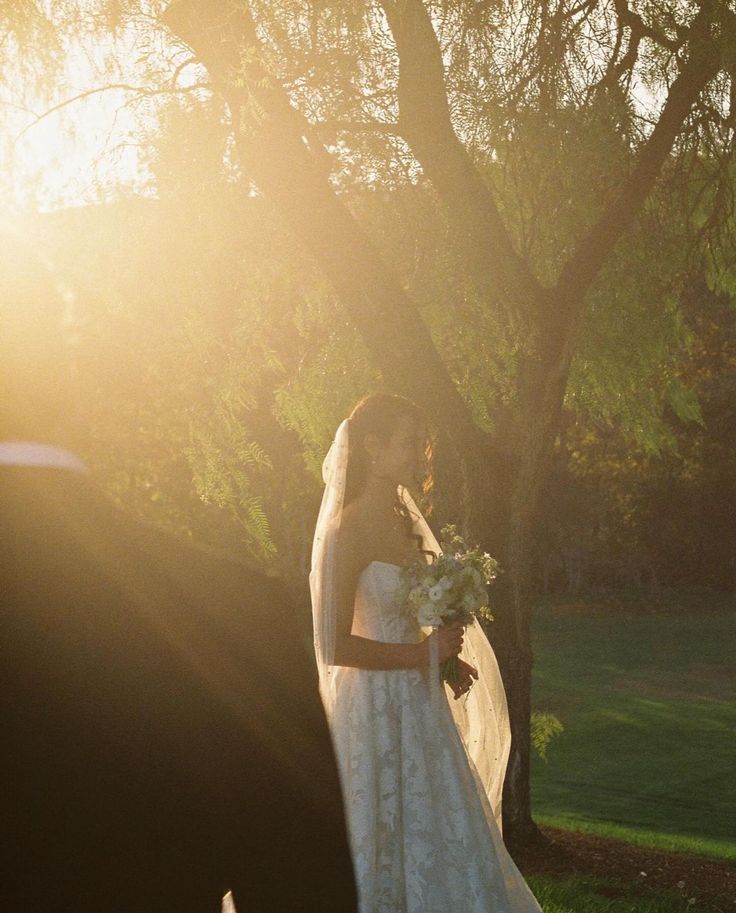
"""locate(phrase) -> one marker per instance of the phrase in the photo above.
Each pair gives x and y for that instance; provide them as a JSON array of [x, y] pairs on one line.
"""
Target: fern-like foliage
[[544, 727]]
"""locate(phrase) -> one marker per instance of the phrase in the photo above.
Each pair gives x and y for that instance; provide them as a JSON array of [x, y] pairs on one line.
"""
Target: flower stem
[[450, 670]]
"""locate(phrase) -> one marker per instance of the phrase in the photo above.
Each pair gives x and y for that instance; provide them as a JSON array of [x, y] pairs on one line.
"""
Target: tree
[[294, 75], [626, 516], [520, 131]]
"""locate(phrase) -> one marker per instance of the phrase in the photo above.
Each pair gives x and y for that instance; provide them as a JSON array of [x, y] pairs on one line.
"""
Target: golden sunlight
[[77, 139], [73, 155]]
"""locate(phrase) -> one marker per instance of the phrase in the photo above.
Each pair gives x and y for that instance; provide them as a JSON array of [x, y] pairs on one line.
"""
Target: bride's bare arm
[[361, 652]]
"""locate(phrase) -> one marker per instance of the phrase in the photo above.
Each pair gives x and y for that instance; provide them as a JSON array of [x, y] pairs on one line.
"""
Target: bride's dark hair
[[380, 414]]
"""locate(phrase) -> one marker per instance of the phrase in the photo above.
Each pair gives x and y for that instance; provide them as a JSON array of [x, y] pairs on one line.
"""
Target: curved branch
[[638, 27], [426, 125], [616, 68], [701, 66], [111, 87], [180, 68]]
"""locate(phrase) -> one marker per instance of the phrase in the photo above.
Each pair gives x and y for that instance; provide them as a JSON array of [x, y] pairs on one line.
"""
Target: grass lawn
[[648, 754], [590, 895]]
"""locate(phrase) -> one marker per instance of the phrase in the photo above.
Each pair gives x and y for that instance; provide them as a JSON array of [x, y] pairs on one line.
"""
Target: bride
[[421, 776]]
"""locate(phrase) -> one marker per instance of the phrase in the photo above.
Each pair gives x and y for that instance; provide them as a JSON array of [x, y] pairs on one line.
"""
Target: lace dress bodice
[[378, 613]]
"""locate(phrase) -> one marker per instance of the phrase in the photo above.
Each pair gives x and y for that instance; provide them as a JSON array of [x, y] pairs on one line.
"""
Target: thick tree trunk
[[510, 632], [519, 828], [499, 513], [513, 644]]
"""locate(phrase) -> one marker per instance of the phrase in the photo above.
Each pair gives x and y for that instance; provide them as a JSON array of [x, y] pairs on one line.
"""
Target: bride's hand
[[449, 640], [466, 675]]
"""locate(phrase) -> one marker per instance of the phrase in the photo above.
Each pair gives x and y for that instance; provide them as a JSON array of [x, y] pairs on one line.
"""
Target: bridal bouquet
[[452, 588]]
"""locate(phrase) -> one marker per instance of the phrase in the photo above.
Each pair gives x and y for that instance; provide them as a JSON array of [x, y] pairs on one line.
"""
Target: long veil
[[481, 716], [322, 576]]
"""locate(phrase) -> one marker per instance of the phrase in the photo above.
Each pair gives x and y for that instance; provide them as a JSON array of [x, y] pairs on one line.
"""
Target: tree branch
[[116, 86], [425, 123], [329, 127], [701, 66], [637, 25], [180, 68], [269, 134]]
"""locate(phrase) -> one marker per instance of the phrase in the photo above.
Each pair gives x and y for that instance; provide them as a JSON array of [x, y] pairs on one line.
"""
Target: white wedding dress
[[423, 834]]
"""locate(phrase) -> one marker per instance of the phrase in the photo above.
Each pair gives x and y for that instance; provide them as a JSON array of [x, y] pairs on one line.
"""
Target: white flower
[[436, 593], [428, 616]]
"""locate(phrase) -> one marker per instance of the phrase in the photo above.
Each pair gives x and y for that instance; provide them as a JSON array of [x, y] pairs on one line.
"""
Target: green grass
[[649, 711], [638, 836], [592, 895]]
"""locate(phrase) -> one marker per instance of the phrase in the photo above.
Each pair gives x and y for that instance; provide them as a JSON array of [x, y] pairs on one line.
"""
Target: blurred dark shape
[[163, 739]]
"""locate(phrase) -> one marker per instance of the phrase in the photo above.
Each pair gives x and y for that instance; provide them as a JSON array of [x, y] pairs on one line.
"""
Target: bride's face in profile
[[401, 459]]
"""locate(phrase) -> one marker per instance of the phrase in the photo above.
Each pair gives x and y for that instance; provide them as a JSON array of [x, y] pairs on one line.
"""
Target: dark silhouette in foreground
[[163, 738]]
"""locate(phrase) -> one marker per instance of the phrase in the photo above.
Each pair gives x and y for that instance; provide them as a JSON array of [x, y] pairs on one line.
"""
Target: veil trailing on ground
[[481, 716]]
